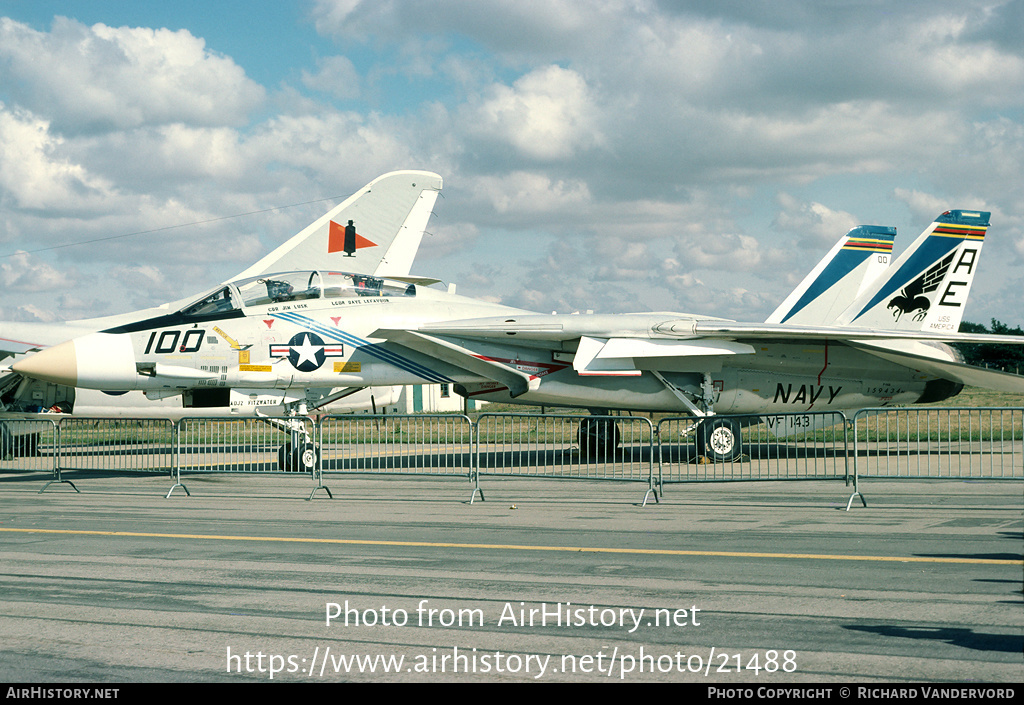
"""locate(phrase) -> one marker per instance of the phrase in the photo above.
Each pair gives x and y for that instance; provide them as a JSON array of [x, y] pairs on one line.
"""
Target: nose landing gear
[[301, 457]]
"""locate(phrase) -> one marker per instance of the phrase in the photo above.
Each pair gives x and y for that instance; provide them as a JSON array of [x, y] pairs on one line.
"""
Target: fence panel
[[118, 445], [28, 444], [777, 447], [919, 442], [566, 446], [421, 444], [247, 445], [983, 443]]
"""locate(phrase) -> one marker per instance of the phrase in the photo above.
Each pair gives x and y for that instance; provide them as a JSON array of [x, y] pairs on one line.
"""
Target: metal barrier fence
[[921, 442], [249, 445], [116, 445], [261, 445], [918, 442], [420, 444], [390, 444], [616, 448], [777, 447], [28, 444]]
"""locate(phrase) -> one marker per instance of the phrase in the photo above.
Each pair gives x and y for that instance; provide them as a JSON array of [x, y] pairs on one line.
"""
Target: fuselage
[[304, 331]]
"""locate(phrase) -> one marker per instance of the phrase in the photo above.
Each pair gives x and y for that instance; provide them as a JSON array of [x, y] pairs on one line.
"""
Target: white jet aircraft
[[315, 334], [375, 231]]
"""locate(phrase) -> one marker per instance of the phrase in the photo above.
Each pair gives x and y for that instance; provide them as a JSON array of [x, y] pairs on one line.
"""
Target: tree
[[993, 355]]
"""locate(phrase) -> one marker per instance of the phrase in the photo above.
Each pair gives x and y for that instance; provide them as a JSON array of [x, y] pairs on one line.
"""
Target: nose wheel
[[301, 457]]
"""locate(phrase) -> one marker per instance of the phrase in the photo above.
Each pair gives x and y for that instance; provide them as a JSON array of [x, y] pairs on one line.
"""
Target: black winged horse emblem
[[911, 297]]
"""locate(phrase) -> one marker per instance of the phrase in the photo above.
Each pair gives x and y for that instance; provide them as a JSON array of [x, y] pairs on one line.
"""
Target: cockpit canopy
[[296, 286]]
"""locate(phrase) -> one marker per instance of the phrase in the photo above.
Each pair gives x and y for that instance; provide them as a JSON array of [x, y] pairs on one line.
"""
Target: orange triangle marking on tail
[[336, 239]]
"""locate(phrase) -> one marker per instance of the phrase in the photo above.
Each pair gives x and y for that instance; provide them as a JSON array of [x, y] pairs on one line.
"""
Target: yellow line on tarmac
[[515, 547]]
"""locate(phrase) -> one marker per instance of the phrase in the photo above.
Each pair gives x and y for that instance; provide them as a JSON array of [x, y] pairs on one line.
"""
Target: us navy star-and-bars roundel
[[307, 351]]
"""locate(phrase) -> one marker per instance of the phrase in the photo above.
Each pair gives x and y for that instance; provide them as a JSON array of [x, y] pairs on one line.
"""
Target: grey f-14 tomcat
[[854, 334]]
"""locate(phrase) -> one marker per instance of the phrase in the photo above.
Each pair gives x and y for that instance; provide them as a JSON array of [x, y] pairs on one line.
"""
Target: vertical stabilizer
[[926, 288], [377, 230], [853, 263]]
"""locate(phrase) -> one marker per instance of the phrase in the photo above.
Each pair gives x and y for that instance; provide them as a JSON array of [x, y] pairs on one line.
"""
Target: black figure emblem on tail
[[911, 297]]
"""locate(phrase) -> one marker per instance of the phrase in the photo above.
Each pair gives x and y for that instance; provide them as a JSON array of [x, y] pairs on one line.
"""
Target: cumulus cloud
[[720, 90], [523, 27], [148, 284], [362, 147], [545, 115], [815, 224], [23, 272], [33, 175], [335, 75], [530, 192], [98, 77], [441, 240], [724, 251], [161, 158], [924, 206], [29, 313], [612, 142]]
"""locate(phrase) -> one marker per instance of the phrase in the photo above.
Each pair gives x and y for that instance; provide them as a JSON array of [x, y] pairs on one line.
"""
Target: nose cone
[[58, 364], [96, 361]]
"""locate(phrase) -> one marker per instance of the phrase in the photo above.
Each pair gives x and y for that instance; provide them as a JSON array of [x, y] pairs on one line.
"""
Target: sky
[[615, 155]]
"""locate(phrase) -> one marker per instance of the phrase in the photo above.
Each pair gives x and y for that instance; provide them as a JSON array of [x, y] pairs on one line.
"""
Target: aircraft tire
[[598, 438], [301, 459], [23, 446], [28, 445], [308, 457], [720, 440], [284, 456]]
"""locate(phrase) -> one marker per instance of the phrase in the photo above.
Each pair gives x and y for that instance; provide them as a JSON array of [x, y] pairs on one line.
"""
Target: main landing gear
[[599, 438], [719, 439], [12, 446]]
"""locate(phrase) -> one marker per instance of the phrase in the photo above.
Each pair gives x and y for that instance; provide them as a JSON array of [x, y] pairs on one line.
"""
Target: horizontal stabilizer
[[10, 347], [23, 338], [784, 332], [956, 371]]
